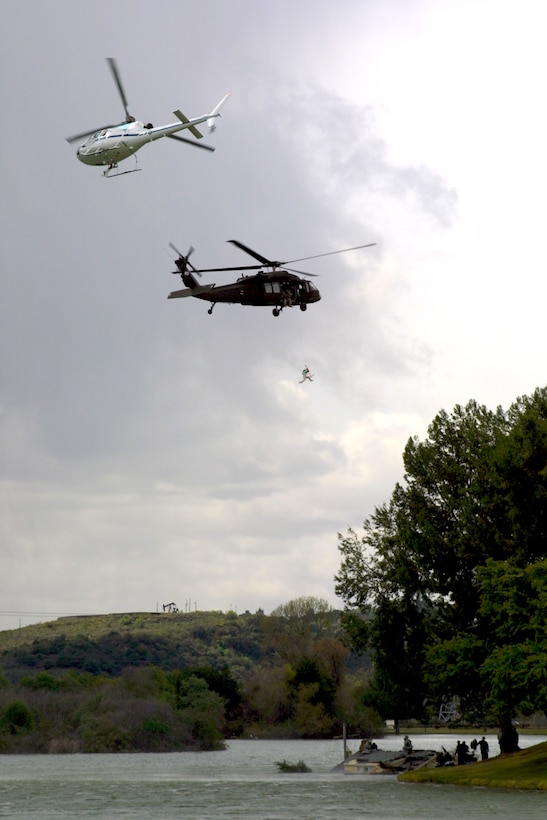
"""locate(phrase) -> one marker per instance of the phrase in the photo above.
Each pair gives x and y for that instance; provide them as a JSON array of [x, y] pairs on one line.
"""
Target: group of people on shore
[[463, 755]]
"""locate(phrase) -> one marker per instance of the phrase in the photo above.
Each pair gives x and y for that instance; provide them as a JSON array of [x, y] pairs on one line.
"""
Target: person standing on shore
[[483, 746]]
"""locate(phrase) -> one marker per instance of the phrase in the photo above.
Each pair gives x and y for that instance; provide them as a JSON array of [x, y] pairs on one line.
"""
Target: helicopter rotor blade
[[267, 263], [237, 267], [330, 253], [174, 248], [300, 272], [271, 264], [190, 142], [256, 255], [82, 134], [128, 118], [118, 80]]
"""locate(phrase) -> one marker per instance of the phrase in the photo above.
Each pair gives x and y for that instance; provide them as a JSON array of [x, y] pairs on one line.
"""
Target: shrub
[[17, 718], [155, 726], [43, 680]]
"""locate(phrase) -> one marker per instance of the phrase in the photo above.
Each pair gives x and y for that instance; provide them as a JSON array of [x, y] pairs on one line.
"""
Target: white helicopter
[[111, 144]]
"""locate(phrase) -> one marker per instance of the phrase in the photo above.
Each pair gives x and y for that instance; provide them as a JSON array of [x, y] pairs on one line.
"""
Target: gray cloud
[[146, 447]]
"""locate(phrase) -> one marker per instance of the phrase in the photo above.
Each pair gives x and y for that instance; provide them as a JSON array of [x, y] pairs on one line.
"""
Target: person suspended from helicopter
[[287, 296], [306, 375]]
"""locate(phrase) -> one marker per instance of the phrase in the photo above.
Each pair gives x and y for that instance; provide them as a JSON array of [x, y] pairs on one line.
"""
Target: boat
[[380, 761]]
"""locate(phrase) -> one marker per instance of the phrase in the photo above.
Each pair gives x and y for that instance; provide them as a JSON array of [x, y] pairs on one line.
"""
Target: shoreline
[[526, 769]]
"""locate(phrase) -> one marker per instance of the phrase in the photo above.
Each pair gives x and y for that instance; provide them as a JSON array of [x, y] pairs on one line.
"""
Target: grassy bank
[[523, 770]]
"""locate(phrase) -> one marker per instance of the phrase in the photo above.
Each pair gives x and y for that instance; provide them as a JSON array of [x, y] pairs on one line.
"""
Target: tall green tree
[[513, 615], [294, 626], [475, 491]]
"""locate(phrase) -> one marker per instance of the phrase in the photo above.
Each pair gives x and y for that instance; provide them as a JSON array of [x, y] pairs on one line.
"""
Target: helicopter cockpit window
[[97, 136]]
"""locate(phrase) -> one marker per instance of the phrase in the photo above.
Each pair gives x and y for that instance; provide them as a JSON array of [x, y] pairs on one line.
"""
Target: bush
[[105, 736], [43, 680], [283, 766], [17, 718], [155, 726]]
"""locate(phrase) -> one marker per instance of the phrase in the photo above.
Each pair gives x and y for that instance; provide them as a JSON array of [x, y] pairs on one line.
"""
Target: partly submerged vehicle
[[371, 760]]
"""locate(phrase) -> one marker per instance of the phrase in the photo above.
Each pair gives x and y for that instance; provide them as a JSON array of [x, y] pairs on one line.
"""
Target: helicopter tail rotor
[[183, 262], [211, 122]]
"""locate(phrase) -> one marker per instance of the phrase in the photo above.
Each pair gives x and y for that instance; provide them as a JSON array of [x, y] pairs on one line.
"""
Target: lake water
[[244, 782]]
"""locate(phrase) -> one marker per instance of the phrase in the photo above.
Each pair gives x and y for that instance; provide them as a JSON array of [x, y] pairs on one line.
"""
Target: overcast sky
[[152, 453]]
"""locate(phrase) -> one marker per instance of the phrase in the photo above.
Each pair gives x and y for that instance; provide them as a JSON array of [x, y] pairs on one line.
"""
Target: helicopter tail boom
[[181, 294]]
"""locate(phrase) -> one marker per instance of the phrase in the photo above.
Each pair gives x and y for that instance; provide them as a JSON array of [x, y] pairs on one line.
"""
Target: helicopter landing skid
[[106, 173], [114, 167]]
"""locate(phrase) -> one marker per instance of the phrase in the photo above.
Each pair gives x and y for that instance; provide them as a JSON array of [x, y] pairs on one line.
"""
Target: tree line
[[447, 583], [130, 693]]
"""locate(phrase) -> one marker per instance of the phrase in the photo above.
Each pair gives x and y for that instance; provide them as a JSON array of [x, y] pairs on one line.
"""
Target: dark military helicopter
[[271, 286]]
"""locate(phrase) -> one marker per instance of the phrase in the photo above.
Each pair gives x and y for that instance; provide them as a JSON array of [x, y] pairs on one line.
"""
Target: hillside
[[106, 644], [171, 681]]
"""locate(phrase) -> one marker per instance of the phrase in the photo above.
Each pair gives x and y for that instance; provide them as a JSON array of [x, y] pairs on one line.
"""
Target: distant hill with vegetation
[[107, 644], [165, 681]]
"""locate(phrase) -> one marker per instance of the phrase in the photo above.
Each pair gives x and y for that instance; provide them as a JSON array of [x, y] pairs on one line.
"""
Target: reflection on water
[[244, 782]]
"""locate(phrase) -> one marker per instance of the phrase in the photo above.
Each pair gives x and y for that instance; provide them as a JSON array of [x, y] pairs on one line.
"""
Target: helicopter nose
[[81, 153]]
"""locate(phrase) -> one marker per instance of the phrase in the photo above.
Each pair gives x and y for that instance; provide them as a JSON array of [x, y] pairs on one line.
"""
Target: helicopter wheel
[[303, 306], [210, 310], [276, 311]]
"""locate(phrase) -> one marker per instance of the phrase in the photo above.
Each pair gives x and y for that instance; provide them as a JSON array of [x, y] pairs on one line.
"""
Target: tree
[[330, 655], [268, 694], [222, 683], [415, 584], [17, 718], [294, 626], [397, 641], [514, 611], [202, 708]]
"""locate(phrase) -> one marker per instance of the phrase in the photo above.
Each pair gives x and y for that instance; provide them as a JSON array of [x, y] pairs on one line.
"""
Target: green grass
[[523, 770]]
